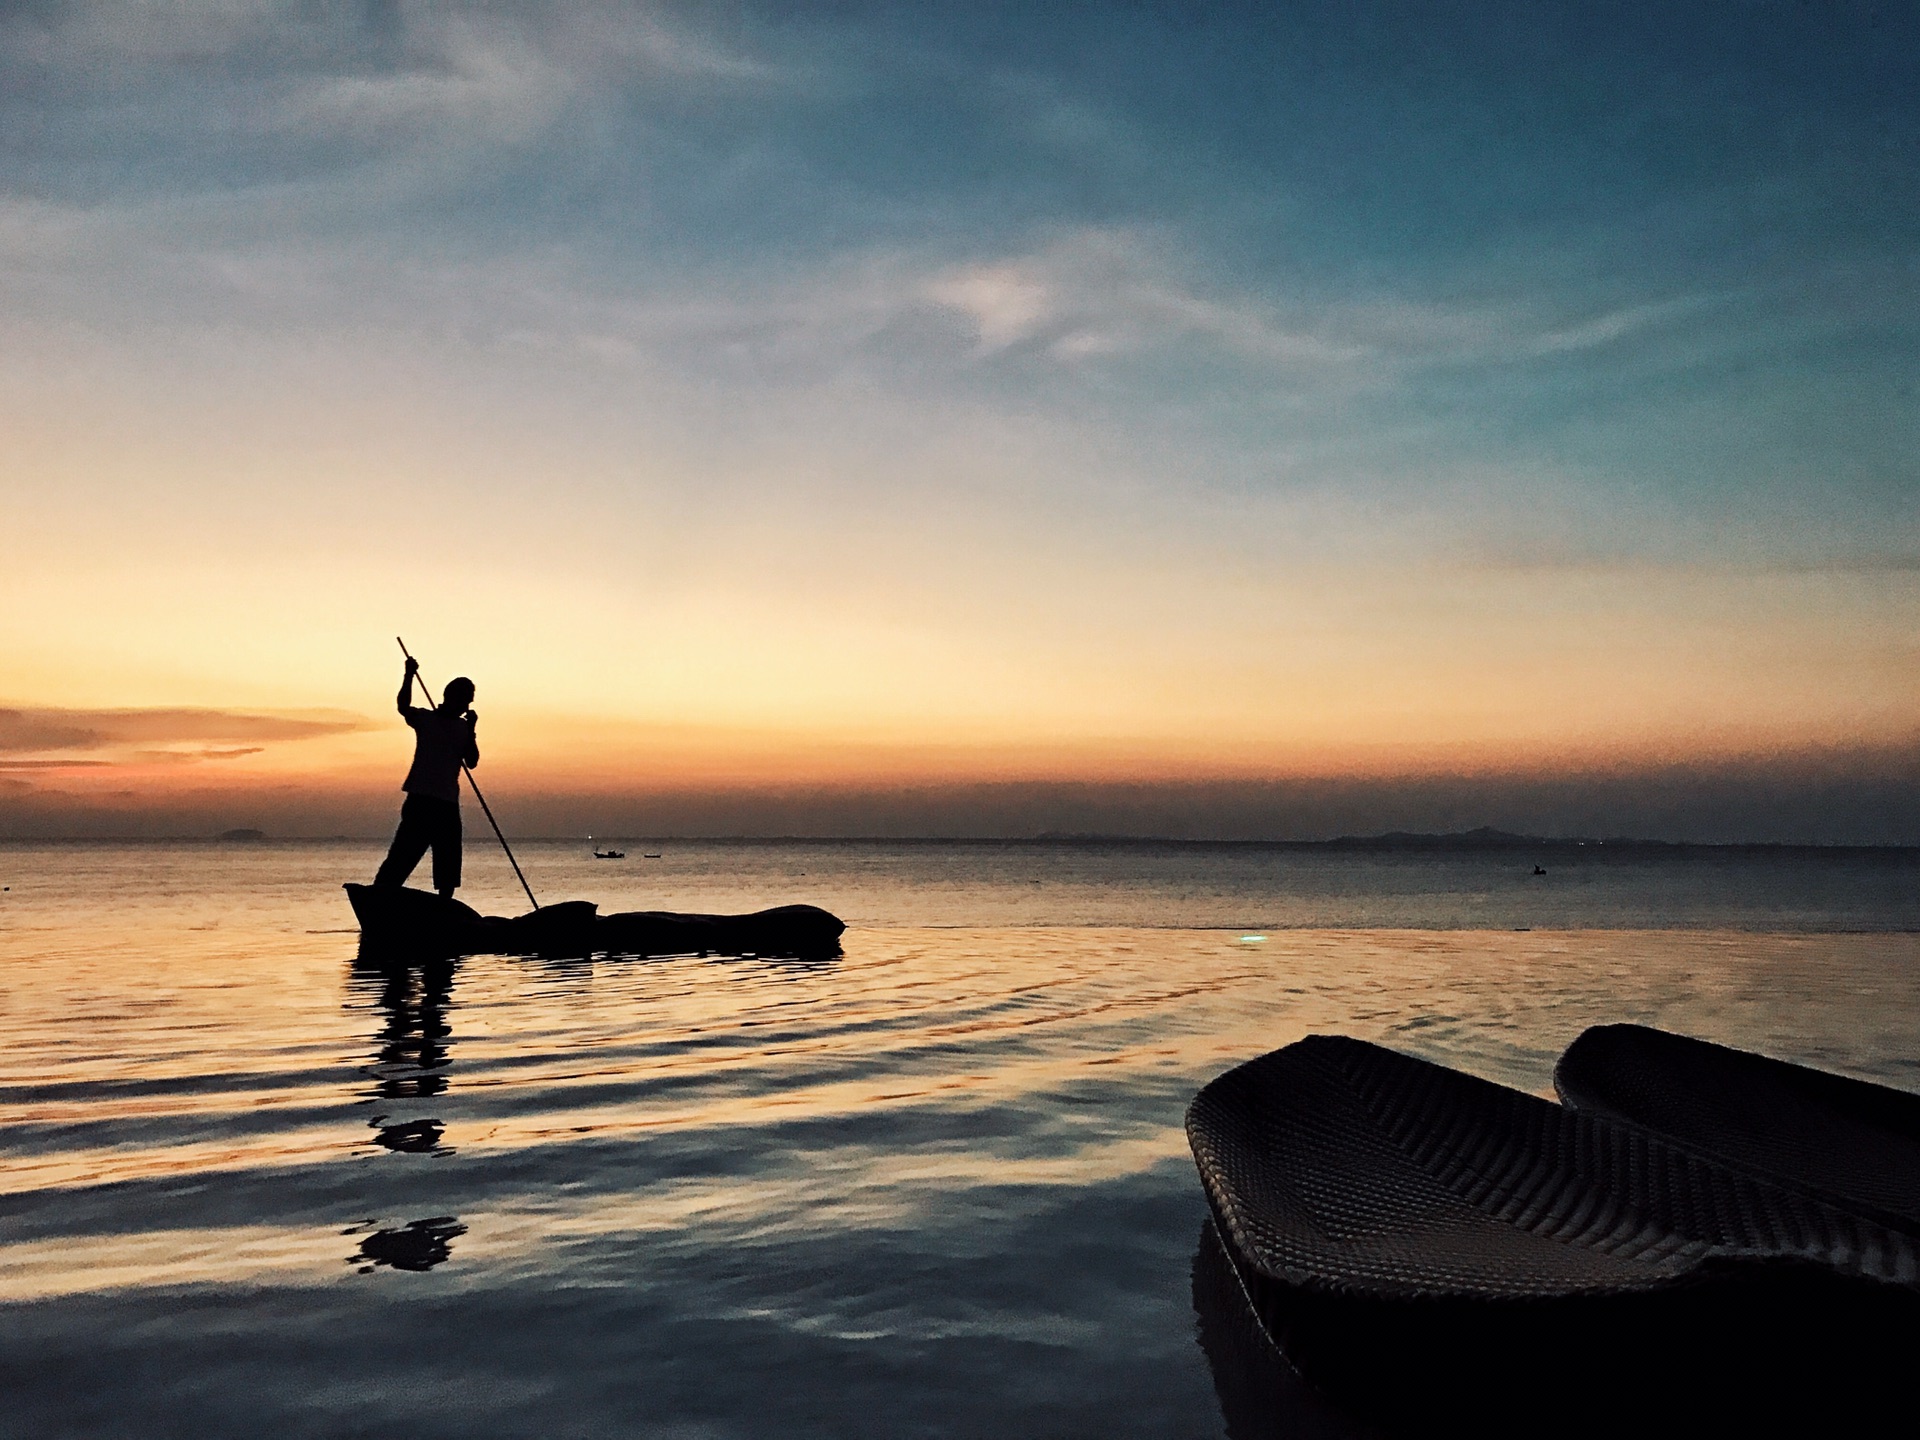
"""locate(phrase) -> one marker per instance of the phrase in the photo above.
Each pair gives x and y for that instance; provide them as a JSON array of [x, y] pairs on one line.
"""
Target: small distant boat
[[402, 924], [608, 854], [650, 855]]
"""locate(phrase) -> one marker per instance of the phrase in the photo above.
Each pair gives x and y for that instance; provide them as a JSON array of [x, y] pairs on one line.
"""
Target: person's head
[[458, 695]]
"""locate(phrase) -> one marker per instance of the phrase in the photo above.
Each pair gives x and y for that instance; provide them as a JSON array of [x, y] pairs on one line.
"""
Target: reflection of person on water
[[415, 1038], [410, 1068], [443, 741]]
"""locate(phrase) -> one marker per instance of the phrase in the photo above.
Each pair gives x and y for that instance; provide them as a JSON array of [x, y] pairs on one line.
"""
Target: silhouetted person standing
[[443, 741]]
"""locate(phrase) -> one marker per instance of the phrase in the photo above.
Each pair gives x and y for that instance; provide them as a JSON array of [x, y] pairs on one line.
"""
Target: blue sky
[[1064, 391]]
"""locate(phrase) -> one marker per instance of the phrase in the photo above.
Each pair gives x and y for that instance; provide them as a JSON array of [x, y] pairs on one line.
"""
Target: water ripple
[[940, 1184]]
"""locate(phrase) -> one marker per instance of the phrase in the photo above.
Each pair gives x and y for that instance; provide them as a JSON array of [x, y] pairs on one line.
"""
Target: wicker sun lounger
[[1845, 1141], [1424, 1240]]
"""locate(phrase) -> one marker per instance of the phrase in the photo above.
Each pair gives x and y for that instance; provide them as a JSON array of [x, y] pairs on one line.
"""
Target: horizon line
[[1481, 838]]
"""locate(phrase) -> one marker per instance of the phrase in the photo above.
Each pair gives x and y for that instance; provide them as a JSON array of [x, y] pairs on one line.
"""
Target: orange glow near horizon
[[742, 682], [864, 665], [677, 620], [547, 755]]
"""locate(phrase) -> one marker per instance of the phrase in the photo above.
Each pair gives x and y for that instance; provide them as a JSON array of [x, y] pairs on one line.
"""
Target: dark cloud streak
[[1829, 798], [36, 730]]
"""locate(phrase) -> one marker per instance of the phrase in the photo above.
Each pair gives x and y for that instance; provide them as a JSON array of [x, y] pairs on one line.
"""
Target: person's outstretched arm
[[406, 685]]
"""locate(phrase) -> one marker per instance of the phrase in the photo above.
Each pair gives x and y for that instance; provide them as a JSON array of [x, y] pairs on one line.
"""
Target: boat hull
[[401, 923]]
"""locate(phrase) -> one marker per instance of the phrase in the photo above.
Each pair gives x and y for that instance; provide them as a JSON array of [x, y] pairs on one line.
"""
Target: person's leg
[[446, 852], [410, 842]]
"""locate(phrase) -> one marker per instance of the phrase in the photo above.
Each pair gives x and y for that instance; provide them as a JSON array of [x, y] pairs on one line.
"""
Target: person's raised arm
[[406, 685]]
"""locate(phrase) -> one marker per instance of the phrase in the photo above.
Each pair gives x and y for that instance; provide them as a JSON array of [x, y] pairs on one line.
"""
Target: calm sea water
[[937, 1186]]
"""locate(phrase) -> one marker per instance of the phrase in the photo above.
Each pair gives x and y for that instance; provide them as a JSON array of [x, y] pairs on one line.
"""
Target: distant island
[[1484, 837], [243, 835]]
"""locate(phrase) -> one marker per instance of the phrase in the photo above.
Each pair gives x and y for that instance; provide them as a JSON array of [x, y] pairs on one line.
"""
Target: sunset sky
[[965, 418]]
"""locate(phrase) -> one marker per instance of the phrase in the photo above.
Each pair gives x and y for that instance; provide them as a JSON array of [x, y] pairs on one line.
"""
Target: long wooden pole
[[414, 674]]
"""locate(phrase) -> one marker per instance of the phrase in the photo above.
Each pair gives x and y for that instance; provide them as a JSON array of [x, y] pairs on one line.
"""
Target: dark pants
[[425, 820]]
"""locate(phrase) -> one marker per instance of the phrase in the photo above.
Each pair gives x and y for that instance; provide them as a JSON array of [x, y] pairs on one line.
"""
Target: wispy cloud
[[255, 37], [340, 117], [1053, 350], [1097, 293]]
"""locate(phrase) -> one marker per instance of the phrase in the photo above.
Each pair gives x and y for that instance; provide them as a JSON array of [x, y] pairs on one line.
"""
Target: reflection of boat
[[402, 923], [418, 1245], [409, 1137], [1846, 1141], [1440, 1251]]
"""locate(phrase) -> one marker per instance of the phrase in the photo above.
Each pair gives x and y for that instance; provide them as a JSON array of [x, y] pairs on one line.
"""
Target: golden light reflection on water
[[137, 1065], [951, 1160], [199, 1087]]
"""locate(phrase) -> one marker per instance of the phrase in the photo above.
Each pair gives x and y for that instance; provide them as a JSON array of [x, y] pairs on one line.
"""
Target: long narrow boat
[[401, 923], [1428, 1244], [1843, 1140]]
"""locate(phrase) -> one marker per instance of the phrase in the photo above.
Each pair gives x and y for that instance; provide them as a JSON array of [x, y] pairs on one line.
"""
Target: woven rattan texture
[[1840, 1139], [1339, 1165]]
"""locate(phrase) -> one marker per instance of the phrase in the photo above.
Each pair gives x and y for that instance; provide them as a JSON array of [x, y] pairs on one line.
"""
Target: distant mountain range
[[1483, 838]]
